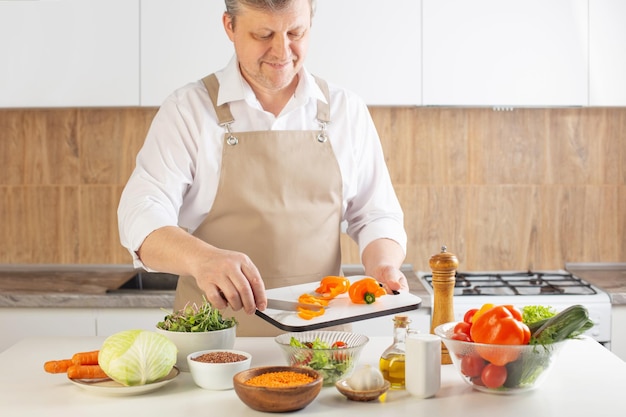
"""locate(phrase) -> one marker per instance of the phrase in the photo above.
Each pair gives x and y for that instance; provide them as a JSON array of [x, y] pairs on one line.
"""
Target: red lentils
[[220, 357], [280, 379]]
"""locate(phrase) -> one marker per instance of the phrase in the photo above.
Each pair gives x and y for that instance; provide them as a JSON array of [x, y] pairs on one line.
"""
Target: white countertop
[[587, 380]]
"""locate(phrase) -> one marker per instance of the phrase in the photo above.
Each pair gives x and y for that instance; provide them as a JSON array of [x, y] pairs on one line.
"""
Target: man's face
[[271, 46]]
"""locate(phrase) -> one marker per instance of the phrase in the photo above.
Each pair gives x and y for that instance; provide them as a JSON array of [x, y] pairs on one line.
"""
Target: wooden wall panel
[[582, 148], [531, 188], [98, 225], [507, 147]]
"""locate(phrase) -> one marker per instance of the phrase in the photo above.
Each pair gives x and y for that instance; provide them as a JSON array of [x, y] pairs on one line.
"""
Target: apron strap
[[323, 108], [224, 116]]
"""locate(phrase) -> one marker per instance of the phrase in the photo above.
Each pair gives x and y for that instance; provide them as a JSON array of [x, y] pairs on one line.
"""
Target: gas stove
[[558, 289]]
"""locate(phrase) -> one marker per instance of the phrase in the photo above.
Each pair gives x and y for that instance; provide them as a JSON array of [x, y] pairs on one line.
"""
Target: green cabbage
[[137, 357]]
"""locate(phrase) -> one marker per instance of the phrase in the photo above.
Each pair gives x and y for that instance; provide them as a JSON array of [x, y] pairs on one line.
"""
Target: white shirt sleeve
[[371, 207]]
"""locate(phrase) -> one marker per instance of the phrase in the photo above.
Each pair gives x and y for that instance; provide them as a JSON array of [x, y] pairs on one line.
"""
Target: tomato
[[493, 376], [477, 381], [340, 356], [467, 318], [462, 327], [461, 336], [472, 365]]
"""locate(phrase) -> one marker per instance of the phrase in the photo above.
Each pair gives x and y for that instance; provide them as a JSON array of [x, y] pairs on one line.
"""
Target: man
[[245, 177]]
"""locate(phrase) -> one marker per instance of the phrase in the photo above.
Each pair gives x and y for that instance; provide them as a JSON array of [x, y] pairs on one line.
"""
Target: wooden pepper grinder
[[443, 266]]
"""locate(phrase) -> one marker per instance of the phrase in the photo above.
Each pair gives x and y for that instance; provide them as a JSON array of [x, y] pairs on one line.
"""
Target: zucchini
[[536, 325], [569, 323]]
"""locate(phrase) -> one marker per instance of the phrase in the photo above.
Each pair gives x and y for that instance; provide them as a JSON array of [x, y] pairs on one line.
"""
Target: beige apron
[[278, 201]]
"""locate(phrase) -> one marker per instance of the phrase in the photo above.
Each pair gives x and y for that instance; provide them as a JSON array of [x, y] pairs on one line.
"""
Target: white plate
[[110, 387]]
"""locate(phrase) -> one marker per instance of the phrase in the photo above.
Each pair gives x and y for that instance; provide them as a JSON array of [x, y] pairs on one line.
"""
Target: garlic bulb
[[366, 378]]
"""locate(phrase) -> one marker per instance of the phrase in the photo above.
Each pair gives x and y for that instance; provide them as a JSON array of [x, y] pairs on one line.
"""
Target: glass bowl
[[333, 363], [518, 368]]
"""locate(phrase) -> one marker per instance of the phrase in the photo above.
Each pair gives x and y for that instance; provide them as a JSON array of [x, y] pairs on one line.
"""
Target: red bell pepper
[[499, 325]]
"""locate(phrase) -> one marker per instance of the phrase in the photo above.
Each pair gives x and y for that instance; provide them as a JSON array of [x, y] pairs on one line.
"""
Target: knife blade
[[289, 305]]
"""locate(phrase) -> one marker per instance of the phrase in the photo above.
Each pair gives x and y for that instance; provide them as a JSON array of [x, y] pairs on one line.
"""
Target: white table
[[587, 381]]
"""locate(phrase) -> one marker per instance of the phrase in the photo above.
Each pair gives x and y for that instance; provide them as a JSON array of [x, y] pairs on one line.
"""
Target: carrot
[[86, 358], [57, 367], [85, 372]]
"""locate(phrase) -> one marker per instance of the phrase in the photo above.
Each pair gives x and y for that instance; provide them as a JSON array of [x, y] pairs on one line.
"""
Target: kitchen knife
[[290, 305]]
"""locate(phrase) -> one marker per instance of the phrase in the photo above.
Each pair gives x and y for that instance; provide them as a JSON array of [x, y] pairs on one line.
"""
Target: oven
[[558, 289]]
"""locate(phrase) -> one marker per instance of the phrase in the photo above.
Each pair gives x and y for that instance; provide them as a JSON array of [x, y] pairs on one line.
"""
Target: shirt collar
[[233, 87]]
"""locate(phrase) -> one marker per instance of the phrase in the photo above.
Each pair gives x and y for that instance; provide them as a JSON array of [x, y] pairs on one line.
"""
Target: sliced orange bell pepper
[[307, 314], [332, 286], [307, 298], [365, 291]]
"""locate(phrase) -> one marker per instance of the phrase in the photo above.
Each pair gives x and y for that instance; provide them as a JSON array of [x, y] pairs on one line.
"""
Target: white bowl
[[189, 342], [216, 376]]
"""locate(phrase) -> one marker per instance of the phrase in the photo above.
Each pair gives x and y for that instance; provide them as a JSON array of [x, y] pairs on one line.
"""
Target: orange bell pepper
[[365, 291], [313, 300], [498, 325], [332, 286], [307, 314]]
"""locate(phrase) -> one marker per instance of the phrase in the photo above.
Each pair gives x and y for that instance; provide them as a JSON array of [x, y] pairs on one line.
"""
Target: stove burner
[[461, 282], [550, 290], [518, 283]]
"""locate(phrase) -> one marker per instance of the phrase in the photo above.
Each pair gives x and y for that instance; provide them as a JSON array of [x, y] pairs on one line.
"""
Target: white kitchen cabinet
[[383, 326], [607, 53], [618, 330], [19, 323], [113, 320], [505, 53], [181, 42], [372, 48], [351, 45], [69, 53]]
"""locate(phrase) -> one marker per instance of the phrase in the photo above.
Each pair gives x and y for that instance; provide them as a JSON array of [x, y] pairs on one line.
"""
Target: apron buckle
[[322, 136]]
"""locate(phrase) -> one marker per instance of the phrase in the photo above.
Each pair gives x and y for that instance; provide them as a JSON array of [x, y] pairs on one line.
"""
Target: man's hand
[[231, 279], [226, 277], [382, 259]]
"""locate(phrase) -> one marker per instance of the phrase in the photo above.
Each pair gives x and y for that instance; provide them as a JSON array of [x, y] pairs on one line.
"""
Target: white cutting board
[[341, 310]]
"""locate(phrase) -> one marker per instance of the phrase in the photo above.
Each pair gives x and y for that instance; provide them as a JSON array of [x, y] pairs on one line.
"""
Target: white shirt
[[178, 168]]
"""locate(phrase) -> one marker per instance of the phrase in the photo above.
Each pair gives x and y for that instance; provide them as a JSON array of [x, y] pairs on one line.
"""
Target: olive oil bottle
[[392, 360]]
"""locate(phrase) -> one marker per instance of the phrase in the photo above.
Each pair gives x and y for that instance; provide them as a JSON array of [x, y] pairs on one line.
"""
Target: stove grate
[[518, 283]]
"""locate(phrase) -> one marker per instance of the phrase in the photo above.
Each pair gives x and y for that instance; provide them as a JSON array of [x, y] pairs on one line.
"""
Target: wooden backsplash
[[529, 188]]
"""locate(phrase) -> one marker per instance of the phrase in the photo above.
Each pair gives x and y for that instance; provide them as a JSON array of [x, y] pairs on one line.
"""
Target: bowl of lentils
[[278, 389], [214, 369]]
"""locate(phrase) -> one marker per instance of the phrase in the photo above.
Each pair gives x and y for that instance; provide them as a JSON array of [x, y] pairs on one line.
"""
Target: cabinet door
[[181, 42], [113, 320], [19, 323], [509, 53], [607, 53], [618, 331], [68, 53], [371, 48]]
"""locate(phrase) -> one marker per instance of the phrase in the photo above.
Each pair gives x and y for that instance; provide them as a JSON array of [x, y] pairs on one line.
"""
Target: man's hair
[[233, 7]]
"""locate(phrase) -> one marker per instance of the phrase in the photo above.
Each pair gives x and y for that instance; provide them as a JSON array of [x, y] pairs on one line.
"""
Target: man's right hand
[[227, 278]]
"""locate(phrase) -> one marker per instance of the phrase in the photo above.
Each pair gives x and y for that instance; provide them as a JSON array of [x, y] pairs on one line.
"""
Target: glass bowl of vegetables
[[195, 328], [498, 352], [333, 354]]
